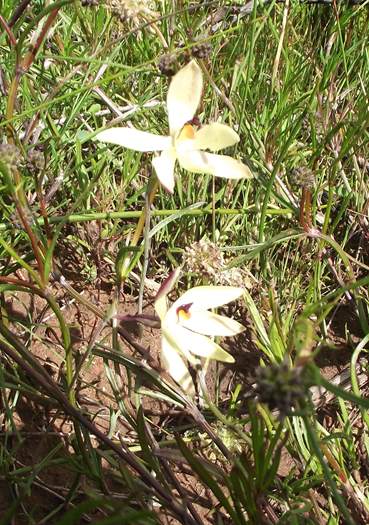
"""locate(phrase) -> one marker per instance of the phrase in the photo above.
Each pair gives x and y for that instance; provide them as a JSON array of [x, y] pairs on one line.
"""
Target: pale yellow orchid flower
[[187, 325], [185, 142]]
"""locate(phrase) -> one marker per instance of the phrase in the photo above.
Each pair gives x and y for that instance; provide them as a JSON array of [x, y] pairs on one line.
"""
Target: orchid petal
[[176, 336], [215, 136], [218, 165], [184, 95], [164, 167], [176, 367], [166, 287], [202, 346], [135, 139], [190, 344], [205, 297], [208, 323]]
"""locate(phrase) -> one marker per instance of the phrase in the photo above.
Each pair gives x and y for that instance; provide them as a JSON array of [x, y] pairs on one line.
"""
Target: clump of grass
[[92, 427]]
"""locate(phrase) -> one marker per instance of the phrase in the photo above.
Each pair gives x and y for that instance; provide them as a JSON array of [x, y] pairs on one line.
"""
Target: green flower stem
[[146, 241]]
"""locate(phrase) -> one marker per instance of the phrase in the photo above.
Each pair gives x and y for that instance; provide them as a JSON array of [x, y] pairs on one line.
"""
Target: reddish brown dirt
[[41, 430]]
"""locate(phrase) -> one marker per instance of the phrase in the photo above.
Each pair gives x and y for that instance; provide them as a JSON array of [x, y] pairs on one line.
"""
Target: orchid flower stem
[[218, 91], [139, 229], [115, 334], [146, 250], [213, 209]]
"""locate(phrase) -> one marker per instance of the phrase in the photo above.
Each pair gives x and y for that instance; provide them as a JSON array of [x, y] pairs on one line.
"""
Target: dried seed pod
[[131, 10], [35, 161], [304, 177], [201, 50], [89, 3], [10, 156], [204, 258], [167, 65], [281, 387]]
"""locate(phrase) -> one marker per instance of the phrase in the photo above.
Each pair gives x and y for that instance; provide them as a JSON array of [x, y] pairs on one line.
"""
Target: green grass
[[128, 446]]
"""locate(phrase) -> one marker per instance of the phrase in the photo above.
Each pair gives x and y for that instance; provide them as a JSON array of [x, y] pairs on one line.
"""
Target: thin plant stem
[[305, 209], [138, 231], [19, 195], [280, 43], [134, 214], [316, 449], [213, 209], [48, 384], [33, 239], [19, 11], [9, 32], [147, 242]]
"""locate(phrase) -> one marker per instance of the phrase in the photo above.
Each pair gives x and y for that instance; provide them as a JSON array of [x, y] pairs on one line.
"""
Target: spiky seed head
[[282, 387]]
